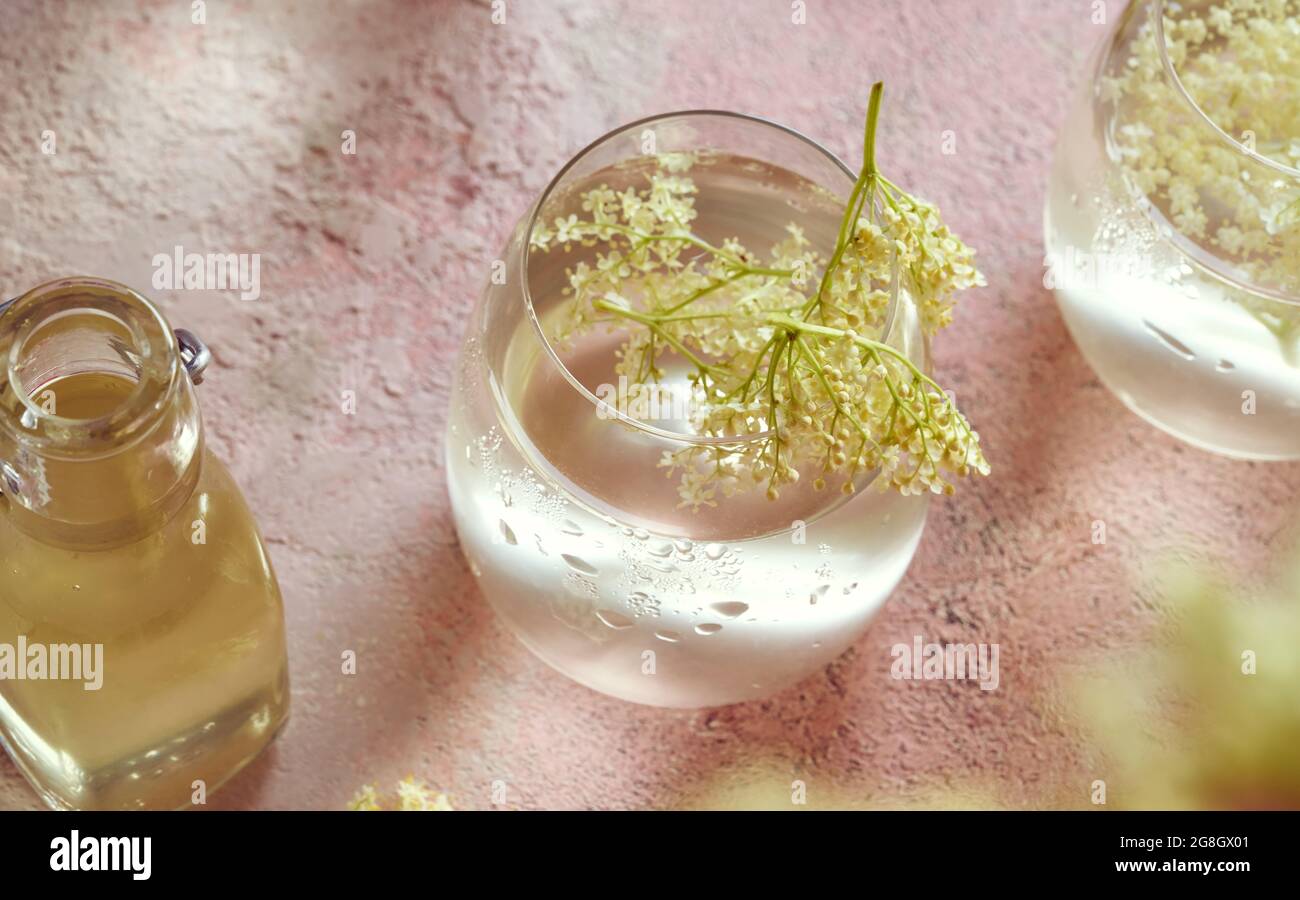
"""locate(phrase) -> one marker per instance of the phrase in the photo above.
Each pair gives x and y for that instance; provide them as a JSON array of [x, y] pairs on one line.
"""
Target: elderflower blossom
[[412, 796], [788, 352], [1240, 62]]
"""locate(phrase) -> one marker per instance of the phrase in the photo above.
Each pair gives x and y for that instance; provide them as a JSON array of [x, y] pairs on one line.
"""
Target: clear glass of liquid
[[574, 533], [1199, 337]]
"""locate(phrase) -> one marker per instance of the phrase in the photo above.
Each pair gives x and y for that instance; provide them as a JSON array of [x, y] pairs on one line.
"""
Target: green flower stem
[[780, 320], [653, 324], [696, 241], [876, 348], [863, 192]]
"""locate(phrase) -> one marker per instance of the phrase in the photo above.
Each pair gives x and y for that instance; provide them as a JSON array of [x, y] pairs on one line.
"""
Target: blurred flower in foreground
[[1211, 718], [769, 785], [1204, 716], [412, 796]]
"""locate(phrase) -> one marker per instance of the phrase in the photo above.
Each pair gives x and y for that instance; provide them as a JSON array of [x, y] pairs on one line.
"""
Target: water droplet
[[507, 534], [660, 549], [819, 593], [579, 565], [708, 628], [714, 551], [1226, 365], [76, 587], [640, 534], [683, 546], [615, 620], [571, 527], [729, 608], [1170, 341], [671, 637], [851, 588]]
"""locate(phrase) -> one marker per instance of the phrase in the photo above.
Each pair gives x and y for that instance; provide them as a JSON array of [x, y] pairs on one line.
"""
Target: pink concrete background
[[226, 137]]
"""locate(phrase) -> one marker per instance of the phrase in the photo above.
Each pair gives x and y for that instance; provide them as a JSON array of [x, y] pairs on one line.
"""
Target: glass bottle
[[1173, 238], [574, 533], [128, 553]]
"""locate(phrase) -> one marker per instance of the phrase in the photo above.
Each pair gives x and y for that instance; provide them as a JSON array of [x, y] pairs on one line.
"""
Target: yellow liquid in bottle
[[194, 677]]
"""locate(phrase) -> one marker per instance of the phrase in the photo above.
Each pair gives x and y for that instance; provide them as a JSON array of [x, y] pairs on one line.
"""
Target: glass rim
[[610, 411], [1171, 72], [136, 414]]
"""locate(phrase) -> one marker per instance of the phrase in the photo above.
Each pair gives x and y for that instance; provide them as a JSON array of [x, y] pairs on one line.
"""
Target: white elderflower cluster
[[1240, 62], [785, 349]]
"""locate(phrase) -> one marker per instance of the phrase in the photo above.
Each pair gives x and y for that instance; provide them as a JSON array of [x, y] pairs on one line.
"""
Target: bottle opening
[[89, 363]]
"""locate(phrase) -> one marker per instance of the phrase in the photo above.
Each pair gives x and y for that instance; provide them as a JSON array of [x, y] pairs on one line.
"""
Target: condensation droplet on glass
[[671, 637], [579, 564], [1169, 340], [708, 628], [729, 609], [613, 619], [508, 534]]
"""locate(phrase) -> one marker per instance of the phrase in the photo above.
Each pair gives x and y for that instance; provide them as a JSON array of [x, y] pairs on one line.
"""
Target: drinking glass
[[570, 526], [1194, 328]]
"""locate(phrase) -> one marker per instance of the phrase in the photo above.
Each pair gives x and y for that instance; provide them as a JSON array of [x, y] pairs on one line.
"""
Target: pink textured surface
[[225, 137]]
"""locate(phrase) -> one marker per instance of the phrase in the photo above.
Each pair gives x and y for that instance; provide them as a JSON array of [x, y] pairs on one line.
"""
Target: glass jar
[[129, 562], [1173, 227], [575, 534]]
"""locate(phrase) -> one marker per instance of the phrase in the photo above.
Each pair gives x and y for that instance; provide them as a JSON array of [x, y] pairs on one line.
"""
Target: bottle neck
[[100, 433]]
